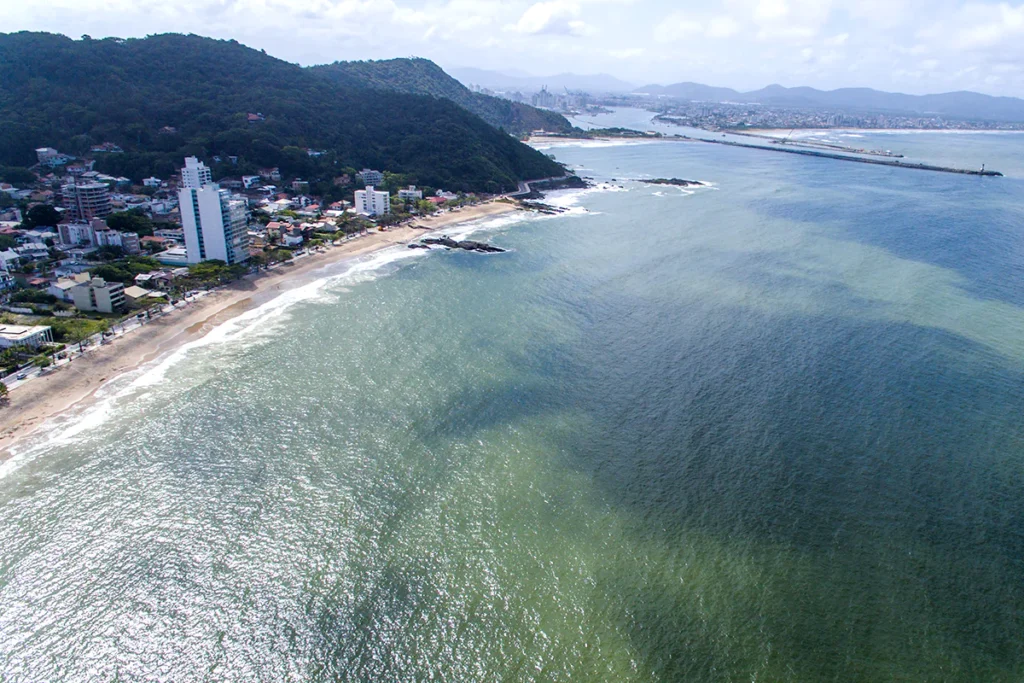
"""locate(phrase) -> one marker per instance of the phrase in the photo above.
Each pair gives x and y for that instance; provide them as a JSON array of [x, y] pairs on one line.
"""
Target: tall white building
[[372, 203], [196, 174], [213, 221]]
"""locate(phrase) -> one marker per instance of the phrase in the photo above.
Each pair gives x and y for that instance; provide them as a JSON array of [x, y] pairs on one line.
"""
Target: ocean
[[768, 429]]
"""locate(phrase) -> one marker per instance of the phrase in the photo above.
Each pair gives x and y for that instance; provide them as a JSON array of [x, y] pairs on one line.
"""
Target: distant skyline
[[912, 46]]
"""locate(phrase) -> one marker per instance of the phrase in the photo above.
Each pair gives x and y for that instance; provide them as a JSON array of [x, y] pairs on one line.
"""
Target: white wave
[[261, 322], [567, 199], [256, 323]]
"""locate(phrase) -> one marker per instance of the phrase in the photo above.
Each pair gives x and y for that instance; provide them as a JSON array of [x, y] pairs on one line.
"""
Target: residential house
[[152, 243], [33, 251], [293, 237], [48, 156], [159, 279], [62, 287], [81, 168], [151, 182], [135, 294], [175, 234], [10, 260], [410, 194]]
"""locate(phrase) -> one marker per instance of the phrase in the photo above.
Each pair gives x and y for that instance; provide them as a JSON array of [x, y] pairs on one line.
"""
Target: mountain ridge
[[168, 96], [420, 76], [959, 104]]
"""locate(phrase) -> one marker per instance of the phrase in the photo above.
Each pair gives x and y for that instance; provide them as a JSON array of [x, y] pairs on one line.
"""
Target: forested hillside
[[164, 97], [423, 77]]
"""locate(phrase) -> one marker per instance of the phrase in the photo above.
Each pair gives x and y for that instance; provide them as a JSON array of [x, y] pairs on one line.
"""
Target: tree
[[131, 221], [42, 361], [7, 242], [32, 296], [3, 393], [16, 175], [40, 215], [155, 99]]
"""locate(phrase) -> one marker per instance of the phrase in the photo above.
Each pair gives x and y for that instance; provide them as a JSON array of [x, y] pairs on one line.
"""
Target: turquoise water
[[766, 430]]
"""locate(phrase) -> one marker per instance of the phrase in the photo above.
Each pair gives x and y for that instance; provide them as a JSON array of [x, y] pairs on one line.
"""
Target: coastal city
[[86, 257], [532, 341], [716, 115]]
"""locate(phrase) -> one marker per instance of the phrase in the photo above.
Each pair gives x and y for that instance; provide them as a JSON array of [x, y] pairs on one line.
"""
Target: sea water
[[766, 429]]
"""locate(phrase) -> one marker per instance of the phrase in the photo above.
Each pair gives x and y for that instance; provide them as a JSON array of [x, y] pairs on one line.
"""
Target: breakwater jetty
[[843, 157]]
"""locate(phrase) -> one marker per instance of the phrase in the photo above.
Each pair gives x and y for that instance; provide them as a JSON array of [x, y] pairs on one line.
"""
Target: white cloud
[[771, 10], [628, 53], [916, 45], [676, 26], [722, 27], [556, 17]]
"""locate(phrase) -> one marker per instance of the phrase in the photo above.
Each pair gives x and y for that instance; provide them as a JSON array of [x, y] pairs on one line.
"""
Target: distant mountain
[[597, 83], [960, 105], [164, 97], [424, 77], [692, 91]]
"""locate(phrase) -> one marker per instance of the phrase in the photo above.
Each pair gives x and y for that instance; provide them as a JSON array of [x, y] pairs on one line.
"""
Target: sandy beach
[[33, 403]]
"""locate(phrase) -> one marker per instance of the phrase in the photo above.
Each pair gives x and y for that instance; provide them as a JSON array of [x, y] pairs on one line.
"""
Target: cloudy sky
[[915, 46]]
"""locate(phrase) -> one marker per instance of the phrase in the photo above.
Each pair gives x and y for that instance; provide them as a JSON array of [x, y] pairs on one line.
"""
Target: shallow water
[[765, 430]]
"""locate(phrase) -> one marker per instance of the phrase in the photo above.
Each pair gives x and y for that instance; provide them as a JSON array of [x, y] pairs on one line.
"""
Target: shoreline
[[34, 403]]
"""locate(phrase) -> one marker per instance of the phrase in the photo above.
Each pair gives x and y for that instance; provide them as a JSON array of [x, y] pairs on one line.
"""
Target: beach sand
[[34, 402]]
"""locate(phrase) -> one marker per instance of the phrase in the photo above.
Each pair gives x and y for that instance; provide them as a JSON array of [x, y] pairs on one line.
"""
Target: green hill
[[423, 77], [164, 97]]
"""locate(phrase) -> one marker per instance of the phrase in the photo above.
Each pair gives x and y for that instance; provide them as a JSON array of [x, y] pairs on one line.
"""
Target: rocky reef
[[465, 245]]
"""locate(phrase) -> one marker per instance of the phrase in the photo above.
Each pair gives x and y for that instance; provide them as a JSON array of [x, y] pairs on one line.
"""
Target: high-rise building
[[196, 174], [372, 202], [85, 201], [213, 220]]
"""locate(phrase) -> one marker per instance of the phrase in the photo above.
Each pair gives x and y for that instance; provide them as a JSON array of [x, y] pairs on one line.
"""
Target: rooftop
[[17, 333]]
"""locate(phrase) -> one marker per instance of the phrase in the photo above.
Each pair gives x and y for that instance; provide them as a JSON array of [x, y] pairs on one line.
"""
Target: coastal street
[[89, 344]]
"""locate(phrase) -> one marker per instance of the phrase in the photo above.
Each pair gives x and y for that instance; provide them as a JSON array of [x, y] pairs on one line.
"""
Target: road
[[117, 330]]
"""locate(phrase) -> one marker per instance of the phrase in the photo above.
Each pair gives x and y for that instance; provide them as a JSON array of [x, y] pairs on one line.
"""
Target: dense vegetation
[[125, 270], [423, 77], [164, 97]]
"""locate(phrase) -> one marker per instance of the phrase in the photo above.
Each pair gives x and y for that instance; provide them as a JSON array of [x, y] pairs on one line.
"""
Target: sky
[[914, 46]]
